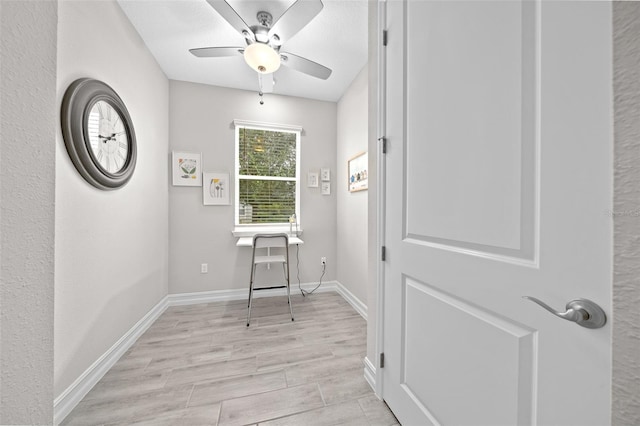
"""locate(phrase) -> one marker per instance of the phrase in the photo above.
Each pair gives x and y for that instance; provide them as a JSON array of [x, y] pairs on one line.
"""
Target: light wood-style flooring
[[201, 365]]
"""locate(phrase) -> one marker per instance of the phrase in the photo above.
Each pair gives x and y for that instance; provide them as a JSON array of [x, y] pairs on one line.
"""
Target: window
[[267, 174]]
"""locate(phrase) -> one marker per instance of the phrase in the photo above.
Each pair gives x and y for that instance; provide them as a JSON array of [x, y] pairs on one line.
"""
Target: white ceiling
[[335, 38]]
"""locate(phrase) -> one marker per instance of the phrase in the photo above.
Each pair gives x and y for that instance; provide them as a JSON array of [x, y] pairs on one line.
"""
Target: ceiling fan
[[264, 40]]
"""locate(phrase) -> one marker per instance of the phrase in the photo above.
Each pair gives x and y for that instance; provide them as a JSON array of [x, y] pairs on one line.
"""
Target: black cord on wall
[[302, 291]]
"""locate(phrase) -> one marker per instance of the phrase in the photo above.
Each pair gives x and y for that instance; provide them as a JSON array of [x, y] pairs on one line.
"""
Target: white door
[[498, 183]]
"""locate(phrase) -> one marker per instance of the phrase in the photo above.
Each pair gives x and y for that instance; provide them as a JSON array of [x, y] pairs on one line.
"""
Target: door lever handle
[[581, 311]]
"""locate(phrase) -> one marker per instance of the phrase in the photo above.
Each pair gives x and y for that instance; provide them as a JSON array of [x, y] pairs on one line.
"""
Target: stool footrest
[[269, 288]]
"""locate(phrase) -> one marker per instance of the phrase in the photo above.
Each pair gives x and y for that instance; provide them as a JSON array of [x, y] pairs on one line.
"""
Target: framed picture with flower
[[186, 168], [215, 189]]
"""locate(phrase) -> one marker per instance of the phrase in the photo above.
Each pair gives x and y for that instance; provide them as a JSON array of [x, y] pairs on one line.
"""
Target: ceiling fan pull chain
[[260, 88]]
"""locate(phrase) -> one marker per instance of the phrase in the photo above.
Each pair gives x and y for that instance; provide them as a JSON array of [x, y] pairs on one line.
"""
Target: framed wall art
[[186, 168], [358, 173], [216, 189]]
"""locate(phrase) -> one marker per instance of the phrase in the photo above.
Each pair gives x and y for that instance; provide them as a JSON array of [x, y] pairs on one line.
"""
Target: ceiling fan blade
[[231, 16], [216, 52], [304, 65], [295, 18]]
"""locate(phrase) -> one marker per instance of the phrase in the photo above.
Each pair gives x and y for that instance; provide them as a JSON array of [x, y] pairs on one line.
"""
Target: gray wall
[[27, 167], [200, 120], [111, 246], [352, 238], [626, 214]]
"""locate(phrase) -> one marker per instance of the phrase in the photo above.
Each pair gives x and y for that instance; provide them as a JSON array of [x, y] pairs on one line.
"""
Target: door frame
[[380, 188]]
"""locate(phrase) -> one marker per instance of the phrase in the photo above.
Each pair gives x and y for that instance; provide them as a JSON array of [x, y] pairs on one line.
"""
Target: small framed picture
[[186, 168], [325, 175], [215, 189], [312, 180], [326, 188], [358, 172]]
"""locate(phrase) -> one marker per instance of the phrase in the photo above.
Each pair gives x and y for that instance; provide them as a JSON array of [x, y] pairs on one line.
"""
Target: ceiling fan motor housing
[[261, 33]]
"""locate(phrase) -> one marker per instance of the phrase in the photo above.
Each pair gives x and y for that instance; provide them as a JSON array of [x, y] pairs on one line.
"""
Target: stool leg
[[289, 293], [250, 293], [284, 272]]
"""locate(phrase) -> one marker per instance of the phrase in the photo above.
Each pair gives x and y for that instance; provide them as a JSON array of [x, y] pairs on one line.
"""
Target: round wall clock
[[98, 134]]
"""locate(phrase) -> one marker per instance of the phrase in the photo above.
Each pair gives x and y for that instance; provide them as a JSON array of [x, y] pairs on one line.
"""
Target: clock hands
[[109, 138]]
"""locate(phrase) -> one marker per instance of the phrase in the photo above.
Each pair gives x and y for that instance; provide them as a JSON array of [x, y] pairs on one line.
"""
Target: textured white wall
[[626, 214], [352, 238], [111, 246], [27, 166], [200, 120]]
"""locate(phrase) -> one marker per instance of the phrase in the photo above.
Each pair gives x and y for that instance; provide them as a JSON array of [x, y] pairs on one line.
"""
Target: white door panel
[[498, 177], [483, 362], [464, 185]]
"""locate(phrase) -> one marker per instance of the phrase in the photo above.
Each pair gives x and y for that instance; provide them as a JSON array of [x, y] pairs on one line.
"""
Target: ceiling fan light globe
[[262, 58]]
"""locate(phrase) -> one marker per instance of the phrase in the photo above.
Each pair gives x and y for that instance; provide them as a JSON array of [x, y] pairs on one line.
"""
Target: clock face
[[108, 137]]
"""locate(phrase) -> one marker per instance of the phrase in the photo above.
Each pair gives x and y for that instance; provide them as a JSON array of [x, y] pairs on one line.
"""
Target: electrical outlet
[[204, 268], [323, 260]]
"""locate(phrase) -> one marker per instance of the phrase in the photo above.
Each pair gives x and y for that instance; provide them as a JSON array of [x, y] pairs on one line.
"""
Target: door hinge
[[381, 360], [383, 254], [384, 37], [383, 141]]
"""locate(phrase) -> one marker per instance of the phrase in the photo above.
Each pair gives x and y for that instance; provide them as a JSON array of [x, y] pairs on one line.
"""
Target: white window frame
[[246, 229]]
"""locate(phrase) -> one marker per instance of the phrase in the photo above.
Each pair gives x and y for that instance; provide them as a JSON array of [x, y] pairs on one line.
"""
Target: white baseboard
[[240, 294], [70, 397], [370, 373], [356, 303]]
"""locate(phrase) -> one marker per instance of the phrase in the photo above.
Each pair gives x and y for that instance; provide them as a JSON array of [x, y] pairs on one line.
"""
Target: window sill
[[251, 230]]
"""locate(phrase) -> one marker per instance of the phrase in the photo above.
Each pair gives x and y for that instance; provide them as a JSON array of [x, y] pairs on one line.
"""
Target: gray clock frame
[[77, 103]]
